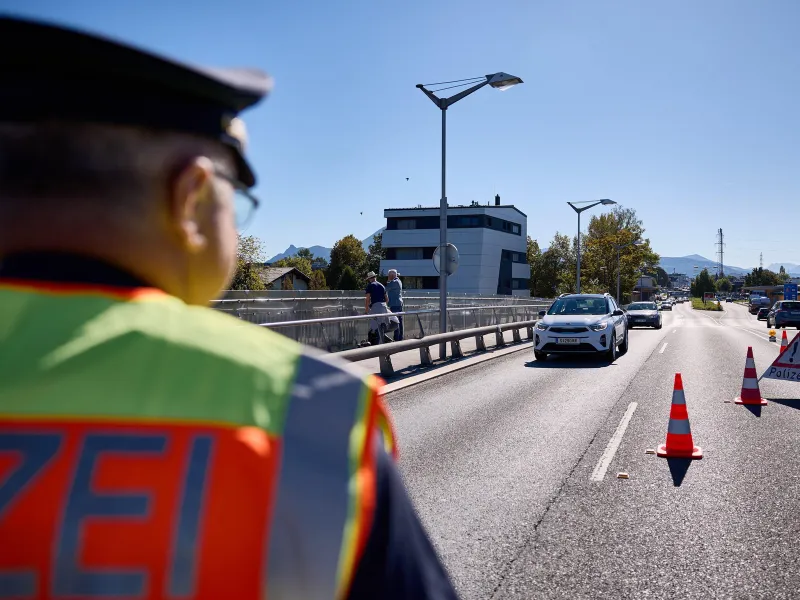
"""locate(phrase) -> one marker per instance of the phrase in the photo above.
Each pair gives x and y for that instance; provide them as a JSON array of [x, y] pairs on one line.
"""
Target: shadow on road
[[754, 408], [569, 362], [790, 402], [678, 468]]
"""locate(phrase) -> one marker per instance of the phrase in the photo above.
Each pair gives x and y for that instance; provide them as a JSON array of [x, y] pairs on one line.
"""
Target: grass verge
[[697, 304]]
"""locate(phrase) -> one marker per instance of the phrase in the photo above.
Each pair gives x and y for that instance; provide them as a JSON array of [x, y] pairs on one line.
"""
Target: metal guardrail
[[342, 332], [262, 308], [384, 351]]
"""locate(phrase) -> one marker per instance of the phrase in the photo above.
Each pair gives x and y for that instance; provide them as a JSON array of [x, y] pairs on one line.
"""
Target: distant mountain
[[321, 251], [686, 265], [791, 268]]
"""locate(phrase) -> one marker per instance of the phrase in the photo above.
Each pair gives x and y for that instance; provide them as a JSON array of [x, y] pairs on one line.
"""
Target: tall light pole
[[591, 203], [619, 268], [500, 81]]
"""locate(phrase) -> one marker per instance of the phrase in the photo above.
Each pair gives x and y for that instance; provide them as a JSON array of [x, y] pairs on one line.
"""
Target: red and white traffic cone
[[784, 342], [750, 393], [679, 435]]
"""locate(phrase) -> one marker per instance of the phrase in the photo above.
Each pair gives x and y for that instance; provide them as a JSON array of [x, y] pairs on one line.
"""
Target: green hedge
[[697, 304]]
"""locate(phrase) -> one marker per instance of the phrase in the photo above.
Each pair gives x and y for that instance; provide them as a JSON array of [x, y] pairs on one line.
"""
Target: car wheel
[[539, 355], [623, 347], [611, 353], [659, 326]]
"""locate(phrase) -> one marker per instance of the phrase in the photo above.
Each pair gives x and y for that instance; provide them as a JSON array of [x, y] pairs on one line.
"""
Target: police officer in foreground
[[158, 448]]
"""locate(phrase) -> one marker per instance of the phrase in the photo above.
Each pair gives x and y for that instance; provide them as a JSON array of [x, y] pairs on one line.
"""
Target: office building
[[491, 242]]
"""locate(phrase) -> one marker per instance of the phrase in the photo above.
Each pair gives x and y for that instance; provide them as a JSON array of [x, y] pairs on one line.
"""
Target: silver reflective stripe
[[679, 426], [312, 502]]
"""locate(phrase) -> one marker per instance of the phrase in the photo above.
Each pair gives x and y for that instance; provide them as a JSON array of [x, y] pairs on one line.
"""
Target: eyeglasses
[[245, 203]]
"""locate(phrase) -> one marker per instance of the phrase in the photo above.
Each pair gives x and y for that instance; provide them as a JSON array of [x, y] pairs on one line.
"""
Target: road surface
[[502, 462]]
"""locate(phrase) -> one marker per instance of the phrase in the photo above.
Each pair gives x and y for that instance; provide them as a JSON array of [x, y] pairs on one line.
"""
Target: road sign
[[787, 366], [790, 291], [450, 259]]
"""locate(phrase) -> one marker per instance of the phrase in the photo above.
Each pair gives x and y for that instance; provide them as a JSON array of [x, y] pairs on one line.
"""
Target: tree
[[318, 281], [702, 284], [783, 276], [286, 283], [305, 253], [347, 252], [302, 264], [762, 276], [375, 254], [249, 260], [349, 280], [536, 261], [723, 284], [556, 271], [662, 277], [319, 263], [620, 227]]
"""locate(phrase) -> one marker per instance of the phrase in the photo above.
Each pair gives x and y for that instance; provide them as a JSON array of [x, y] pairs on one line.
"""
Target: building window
[[412, 283], [406, 223], [408, 253], [515, 229]]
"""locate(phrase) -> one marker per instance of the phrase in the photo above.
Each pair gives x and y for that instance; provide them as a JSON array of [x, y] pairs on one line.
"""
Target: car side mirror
[[542, 313], [618, 313]]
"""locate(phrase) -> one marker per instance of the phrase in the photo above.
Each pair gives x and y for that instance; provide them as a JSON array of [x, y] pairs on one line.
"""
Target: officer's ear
[[191, 189]]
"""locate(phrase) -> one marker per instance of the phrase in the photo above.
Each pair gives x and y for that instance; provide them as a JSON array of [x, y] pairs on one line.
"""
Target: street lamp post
[[500, 81], [591, 203], [619, 268]]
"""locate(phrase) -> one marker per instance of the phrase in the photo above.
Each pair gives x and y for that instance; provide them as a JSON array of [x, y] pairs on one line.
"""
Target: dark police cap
[[52, 73]]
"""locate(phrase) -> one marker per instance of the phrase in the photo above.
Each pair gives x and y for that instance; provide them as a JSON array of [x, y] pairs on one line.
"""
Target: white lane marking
[[613, 444], [664, 347]]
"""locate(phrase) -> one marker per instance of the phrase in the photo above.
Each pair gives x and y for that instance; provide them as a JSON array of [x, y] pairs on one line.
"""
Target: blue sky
[[685, 110]]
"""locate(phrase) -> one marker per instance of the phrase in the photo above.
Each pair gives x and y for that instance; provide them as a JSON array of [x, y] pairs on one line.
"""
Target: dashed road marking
[[613, 444], [664, 347]]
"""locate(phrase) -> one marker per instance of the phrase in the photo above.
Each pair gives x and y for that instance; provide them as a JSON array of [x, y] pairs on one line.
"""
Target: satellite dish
[[450, 259]]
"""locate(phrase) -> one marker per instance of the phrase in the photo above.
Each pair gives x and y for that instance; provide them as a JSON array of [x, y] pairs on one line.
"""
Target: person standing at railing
[[394, 292], [151, 446]]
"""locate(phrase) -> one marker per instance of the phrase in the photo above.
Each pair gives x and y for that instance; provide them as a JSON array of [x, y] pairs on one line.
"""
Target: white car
[[581, 324]]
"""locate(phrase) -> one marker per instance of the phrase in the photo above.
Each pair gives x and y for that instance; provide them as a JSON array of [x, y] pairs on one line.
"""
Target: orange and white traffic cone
[[784, 342], [679, 434], [750, 393]]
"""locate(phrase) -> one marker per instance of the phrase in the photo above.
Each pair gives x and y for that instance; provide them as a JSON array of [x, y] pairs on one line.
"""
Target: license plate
[[568, 341]]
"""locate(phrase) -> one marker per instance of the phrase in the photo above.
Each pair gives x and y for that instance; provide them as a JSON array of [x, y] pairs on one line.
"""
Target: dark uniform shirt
[[399, 561], [376, 291]]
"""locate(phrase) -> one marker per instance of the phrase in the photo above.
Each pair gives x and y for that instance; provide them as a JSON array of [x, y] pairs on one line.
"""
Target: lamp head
[[502, 81]]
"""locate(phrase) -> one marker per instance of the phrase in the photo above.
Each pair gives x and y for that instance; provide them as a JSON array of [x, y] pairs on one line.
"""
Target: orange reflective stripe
[[83, 289], [363, 445]]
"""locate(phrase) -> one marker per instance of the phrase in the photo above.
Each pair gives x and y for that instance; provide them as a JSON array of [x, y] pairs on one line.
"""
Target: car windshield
[[790, 306], [578, 306], [642, 306]]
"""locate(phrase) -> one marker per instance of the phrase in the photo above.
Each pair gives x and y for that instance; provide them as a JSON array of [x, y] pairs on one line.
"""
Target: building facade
[[491, 242]]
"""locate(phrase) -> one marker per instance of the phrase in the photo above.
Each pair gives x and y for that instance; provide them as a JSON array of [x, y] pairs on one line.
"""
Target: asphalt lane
[[500, 460], [485, 451], [723, 527]]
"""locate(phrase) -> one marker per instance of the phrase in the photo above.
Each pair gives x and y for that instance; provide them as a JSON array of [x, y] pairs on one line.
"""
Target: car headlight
[[599, 326], [541, 326]]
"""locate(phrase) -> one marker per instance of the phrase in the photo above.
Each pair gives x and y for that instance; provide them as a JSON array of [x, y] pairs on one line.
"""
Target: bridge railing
[[384, 352], [331, 321]]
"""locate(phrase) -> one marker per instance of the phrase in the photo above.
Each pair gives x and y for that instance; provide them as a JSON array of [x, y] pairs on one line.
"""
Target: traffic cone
[[679, 434], [750, 392], [784, 342]]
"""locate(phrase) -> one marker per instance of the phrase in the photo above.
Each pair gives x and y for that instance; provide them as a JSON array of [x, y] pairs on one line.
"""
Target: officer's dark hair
[[83, 162]]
